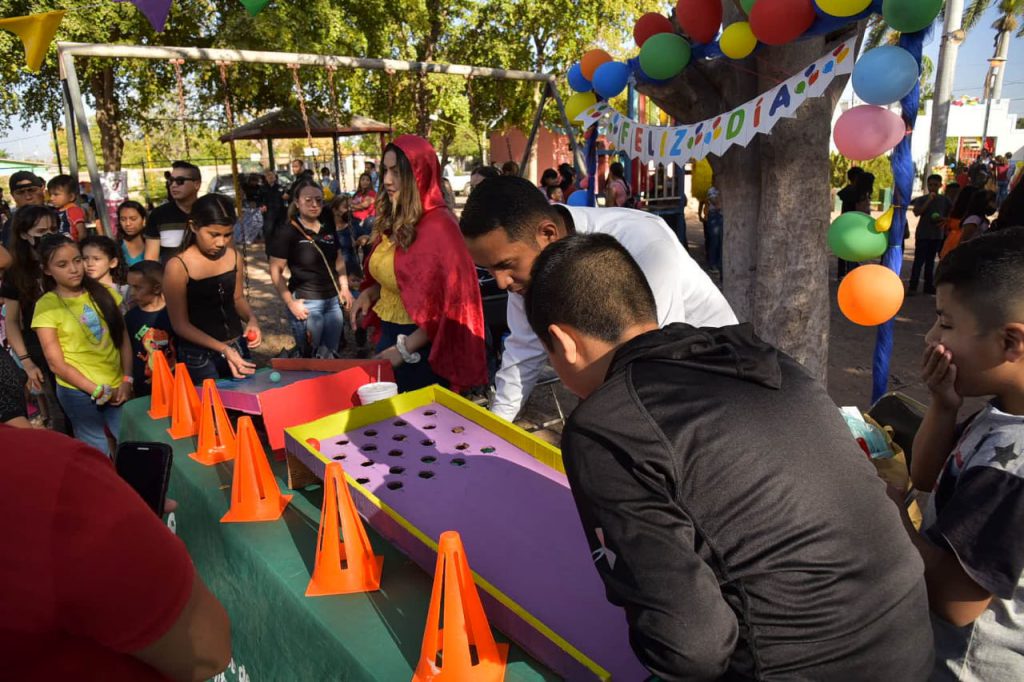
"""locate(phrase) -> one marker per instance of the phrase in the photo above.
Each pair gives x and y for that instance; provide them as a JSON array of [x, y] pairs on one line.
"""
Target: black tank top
[[211, 303]]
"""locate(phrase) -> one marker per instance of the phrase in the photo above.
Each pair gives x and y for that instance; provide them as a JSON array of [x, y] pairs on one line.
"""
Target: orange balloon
[[591, 60], [871, 295]]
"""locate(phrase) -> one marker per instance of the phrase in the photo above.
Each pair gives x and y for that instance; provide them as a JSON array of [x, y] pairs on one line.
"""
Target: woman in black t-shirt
[[316, 264]]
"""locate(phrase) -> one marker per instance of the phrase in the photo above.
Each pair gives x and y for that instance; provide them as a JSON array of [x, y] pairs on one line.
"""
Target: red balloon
[[700, 19], [777, 22], [651, 24]]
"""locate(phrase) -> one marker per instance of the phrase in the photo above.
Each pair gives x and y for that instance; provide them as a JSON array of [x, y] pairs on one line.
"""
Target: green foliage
[[880, 168]]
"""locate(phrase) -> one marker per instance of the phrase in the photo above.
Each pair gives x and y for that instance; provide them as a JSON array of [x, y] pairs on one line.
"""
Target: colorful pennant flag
[[155, 11], [255, 6], [36, 32]]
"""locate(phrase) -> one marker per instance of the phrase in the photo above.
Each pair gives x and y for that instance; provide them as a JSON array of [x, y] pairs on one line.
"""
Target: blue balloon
[[610, 79], [885, 75], [577, 81], [578, 198]]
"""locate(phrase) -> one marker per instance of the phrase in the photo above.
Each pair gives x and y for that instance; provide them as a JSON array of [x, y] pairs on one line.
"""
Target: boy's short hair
[[193, 169], [854, 173], [934, 176], [63, 182], [151, 270], [987, 276], [952, 185], [591, 283], [507, 202]]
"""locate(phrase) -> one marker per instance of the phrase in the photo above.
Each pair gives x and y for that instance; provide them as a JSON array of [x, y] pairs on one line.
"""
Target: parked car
[[222, 184], [460, 183]]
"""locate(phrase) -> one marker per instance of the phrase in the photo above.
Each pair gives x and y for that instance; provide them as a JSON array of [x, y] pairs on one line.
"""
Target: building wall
[[551, 150]]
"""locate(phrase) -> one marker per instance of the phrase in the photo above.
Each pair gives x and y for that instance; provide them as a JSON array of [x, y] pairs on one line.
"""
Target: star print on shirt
[[1004, 454]]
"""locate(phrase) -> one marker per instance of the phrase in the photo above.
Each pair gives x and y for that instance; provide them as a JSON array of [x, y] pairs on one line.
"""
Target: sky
[[33, 143]]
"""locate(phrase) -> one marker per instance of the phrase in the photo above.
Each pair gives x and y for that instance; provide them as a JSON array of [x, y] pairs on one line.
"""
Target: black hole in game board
[[399, 437], [368, 463], [343, 441], [458, 429], [427, 442], [395, 453], [396, 470], [369, 448], [338, 457], [458, 462], [429, 413], [371, 433], [362, 481], [426, 474], [395, 485], [487, 450], [429, 427], [462, 446], [429, 459], [400, 423]]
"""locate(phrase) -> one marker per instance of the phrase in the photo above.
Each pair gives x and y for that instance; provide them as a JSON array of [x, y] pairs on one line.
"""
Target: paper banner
[[255, 6], [678, 144], [155, 11], [36, 32]]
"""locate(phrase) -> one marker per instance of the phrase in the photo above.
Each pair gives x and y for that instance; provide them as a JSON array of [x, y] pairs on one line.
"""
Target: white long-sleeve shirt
[[682, 292]]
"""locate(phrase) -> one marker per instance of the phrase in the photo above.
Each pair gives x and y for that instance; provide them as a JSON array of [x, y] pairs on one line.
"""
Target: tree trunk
[[775, 195], [1002, 50], [108, 117], [948, 51]]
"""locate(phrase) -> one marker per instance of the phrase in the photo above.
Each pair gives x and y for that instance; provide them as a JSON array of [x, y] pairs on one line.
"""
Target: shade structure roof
[[287, 124]]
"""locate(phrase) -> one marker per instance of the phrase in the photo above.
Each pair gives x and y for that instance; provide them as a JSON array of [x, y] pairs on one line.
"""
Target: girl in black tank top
[[203, 286]]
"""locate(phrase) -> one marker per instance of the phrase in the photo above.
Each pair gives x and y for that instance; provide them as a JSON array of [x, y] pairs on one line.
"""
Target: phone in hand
[[146, 467]]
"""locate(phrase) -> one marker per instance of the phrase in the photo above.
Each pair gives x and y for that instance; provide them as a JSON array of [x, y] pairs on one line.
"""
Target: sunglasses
[[181, 180]]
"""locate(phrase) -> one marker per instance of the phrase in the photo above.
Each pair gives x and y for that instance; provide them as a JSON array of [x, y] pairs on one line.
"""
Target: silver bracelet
[[407, 357]]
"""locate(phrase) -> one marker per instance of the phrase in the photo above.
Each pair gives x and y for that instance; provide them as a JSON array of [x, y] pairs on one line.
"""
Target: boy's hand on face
[[939, 373]]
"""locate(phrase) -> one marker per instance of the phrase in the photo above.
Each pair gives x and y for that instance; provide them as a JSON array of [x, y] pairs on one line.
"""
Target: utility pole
[[952, 36]]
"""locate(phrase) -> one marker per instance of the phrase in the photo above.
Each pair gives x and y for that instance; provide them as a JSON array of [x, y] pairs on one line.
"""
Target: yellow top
[[382, 266], [83, 335]]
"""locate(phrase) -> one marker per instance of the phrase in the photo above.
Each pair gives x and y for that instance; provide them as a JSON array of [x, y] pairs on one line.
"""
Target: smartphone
[[146, 467]]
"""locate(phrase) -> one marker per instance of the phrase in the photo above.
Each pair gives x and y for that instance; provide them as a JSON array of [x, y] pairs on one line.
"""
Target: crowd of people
[[798, 565]]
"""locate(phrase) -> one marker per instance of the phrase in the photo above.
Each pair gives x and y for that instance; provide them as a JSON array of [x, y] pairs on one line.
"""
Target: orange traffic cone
[[163, 388], [342, 567], [445, 654], [254, 492], [216, 437], [184, 406]]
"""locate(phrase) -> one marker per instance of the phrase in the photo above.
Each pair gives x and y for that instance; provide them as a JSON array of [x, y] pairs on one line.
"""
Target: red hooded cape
[[437, 279]]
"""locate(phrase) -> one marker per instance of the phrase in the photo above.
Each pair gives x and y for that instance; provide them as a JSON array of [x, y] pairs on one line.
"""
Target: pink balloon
[[865, 132]]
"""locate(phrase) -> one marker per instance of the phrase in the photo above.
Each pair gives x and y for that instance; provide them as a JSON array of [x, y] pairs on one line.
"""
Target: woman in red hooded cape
[[420, 288]]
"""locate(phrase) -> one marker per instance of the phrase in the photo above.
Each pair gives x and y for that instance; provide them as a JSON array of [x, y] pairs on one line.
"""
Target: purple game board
[[440, 471]]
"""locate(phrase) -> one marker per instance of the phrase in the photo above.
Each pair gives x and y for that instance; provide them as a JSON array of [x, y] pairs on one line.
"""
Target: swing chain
[[331, 68], [302, 103], [181, 105], [223, 67]]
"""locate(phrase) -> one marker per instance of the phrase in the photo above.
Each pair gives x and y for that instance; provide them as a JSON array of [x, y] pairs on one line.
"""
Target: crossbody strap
[[330, 270]]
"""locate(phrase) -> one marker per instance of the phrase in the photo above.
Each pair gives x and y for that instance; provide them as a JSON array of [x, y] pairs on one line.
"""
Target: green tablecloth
[[259, 571]]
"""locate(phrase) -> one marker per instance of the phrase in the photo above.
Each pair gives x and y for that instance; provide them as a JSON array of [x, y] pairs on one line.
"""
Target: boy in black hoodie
[[729, 511]]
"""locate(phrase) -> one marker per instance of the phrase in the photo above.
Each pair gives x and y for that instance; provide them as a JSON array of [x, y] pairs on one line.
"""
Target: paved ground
[[850, 355]]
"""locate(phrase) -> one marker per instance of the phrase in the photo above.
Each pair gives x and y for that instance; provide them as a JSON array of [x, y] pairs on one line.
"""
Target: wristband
[[96, 391], [127, 379], [407, 357], [24, 357]]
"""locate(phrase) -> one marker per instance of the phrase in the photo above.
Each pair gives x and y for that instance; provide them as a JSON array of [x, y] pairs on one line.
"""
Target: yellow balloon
[[578, 103], [843, 8], [737, 40], [884, 221], [700, 180]]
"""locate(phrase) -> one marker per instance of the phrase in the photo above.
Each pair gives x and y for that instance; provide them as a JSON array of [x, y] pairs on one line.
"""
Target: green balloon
[[664, 55], [909, 16], [852, 237], [747, 5]]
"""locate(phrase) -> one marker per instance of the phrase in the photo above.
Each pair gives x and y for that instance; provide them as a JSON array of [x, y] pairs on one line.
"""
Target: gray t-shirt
[[977, 512], [929, 225]]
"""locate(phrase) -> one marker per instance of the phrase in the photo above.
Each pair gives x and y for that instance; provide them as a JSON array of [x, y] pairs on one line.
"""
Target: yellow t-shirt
[[83, 335], [382, 266]]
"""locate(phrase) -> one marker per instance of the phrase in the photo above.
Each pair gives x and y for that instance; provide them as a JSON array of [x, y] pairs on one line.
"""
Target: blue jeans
[[203, 363], [409, 377], [88, 419], [323, 327], [713, 239]]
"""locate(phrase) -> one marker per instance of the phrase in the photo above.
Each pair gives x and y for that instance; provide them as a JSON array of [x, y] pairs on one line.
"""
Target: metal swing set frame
[[76, 121]]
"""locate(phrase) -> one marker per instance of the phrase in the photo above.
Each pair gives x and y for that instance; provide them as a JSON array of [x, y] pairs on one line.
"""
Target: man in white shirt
[[506, 223]]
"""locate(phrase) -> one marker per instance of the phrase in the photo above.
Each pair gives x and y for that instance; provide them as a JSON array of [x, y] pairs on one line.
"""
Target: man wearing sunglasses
[[26, 190], [165, 226]]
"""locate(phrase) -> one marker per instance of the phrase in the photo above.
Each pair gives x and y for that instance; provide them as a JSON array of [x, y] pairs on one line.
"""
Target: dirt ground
[[850, 347]]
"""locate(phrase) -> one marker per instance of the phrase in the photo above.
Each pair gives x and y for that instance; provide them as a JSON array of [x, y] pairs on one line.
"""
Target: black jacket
[[734, 518]]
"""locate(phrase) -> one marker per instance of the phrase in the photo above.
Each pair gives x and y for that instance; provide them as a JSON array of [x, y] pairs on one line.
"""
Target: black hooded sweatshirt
[[734, 518]]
